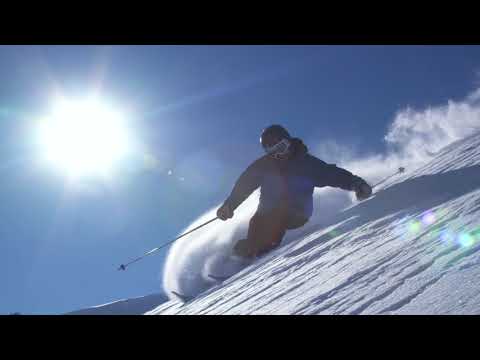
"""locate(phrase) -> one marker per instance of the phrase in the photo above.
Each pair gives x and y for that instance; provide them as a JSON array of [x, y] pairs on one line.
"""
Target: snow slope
[[135, 306], [410, 249]]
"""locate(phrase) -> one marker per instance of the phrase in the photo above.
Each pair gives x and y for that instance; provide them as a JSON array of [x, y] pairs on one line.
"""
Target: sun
[[83, 137]]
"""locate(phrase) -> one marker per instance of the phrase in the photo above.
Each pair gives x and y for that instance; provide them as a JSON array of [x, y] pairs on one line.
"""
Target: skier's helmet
[[276, 141], [273, 135]]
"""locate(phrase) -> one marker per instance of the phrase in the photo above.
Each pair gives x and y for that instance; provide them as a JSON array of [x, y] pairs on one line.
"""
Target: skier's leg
[[296, 221], [265, 232]]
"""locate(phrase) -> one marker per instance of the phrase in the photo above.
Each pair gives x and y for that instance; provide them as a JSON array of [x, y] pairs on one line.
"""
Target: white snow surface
[[410, 249], [133, 306]]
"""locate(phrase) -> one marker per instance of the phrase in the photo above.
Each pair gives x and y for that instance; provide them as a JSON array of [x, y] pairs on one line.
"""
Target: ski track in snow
[[411, 249]]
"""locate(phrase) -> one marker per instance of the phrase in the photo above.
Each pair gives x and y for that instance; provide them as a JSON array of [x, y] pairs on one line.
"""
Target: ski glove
[[362, 189], [225, 212]]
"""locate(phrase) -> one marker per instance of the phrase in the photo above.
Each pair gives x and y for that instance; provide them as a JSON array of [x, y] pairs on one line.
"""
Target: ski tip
[[183, 298], [218, 278]]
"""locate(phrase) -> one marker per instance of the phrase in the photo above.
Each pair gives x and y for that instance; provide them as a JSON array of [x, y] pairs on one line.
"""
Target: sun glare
[[83, 138]]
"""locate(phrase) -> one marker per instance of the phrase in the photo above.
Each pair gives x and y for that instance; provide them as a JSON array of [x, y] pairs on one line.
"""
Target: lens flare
[[414, 227], [333, 234], [466, 240], [428, 218], [446, 237], [476, 233], [150, 161]]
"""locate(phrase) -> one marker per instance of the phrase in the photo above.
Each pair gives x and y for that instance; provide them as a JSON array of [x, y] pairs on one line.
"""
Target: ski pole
[[124, 266], [399, 171]]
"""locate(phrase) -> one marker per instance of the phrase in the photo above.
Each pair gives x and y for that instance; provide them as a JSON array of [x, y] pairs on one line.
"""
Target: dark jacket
[[289, 183]]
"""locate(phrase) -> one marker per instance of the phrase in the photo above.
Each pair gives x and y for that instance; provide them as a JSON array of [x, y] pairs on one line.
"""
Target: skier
[[287, 176]]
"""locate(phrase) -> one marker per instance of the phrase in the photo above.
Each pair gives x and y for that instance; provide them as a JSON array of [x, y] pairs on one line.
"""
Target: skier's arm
[[330, 175], [246, 184]]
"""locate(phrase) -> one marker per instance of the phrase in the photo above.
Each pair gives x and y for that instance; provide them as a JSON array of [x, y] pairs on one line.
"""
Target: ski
[[219, 278], [183, 298]]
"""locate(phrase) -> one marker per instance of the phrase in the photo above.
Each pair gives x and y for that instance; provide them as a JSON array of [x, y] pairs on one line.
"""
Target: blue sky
[[197, 110]]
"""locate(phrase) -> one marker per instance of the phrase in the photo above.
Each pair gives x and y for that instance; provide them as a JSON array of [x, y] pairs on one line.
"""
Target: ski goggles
[[279, 149]]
